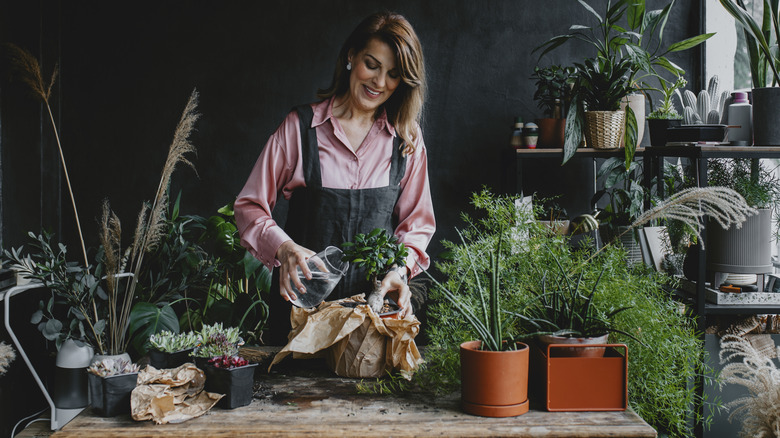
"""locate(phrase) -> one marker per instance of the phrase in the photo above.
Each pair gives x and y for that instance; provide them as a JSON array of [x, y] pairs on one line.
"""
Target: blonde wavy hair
[[404, 107]]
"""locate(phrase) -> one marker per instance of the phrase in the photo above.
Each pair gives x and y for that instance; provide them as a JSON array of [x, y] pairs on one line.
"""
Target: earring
[[349, 65]]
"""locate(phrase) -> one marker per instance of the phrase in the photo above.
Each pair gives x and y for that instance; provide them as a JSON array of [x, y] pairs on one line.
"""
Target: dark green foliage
[[375, 252], [662, 368], [552, 84]]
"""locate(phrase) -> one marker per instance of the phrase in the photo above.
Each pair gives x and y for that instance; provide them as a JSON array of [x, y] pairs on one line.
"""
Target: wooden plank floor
[[303, 398]]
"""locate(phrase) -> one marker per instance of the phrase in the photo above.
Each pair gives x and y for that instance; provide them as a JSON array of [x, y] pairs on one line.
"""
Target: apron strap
[[311, 157], [309, 148]]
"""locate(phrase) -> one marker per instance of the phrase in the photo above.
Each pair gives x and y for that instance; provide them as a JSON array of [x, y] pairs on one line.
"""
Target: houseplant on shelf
[[665, 115], [743, 249], [553, 85], [639, 39], [761, 41], [111, 381], [493, 369]]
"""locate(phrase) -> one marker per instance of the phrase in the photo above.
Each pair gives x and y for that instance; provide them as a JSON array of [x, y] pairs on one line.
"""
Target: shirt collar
[[323, 111]]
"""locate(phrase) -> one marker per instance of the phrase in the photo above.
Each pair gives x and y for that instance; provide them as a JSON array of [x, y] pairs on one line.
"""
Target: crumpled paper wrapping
[[354, 341], [171, 395]]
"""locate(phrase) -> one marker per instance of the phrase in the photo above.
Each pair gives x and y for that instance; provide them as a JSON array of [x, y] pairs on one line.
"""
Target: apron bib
[[319, 217]]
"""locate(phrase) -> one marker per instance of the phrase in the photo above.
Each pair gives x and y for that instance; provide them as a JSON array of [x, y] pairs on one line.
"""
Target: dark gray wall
[[127, 70]]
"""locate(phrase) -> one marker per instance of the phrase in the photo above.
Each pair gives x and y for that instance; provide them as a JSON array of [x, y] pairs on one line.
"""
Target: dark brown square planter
[[236, 383], [580, 383], [110, 396]]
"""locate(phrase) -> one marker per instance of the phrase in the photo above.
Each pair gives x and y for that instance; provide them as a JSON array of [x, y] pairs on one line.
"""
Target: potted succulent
[[553, 85], [111, 381], [763, 56], [216, 341], [232, 376], [375, 254], [170, 350], [665, 115]]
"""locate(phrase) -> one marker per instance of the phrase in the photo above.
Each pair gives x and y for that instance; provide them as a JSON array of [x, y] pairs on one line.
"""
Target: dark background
[[127, 69]]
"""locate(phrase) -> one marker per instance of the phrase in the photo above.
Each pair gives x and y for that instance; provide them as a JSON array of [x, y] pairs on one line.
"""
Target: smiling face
[[374, 76]]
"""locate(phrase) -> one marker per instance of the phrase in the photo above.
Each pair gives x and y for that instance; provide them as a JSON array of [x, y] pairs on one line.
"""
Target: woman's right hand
[[291, 255]]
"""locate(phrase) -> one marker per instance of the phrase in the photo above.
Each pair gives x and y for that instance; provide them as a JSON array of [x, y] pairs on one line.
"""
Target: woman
[[353, 162]]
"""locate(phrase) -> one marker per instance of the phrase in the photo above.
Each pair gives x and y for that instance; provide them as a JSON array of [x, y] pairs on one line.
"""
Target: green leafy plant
[[169, 342], [626, 196], [761, 40], [666, 109], [759, 186], [638, 42], [662, 366], [78, 305], [376, 252], [553, 85], [564, 310]]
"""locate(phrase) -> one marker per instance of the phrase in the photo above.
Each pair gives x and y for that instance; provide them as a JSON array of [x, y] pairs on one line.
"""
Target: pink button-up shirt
[[279, 169]]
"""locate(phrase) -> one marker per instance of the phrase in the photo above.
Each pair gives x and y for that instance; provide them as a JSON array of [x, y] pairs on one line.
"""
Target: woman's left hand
[[394, 287]]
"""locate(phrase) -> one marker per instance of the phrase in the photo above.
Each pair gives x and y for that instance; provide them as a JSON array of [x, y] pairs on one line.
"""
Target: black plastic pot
[[160, 359], [235, 383], [111, 395], [658, 127]]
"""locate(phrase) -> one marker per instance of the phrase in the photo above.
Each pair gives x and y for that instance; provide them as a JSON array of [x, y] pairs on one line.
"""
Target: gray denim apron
[[319, 216]]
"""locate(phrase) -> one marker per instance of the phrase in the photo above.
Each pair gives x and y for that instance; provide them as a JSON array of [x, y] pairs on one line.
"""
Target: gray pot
[[746, 250], [766, 108]]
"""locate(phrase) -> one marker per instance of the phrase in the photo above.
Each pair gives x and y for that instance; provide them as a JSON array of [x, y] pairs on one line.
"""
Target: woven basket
[[604, 129]]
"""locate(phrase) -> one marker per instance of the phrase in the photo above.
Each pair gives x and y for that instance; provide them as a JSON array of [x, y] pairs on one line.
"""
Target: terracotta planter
[[494, 383], [551, 132], [565, 383], [577, 349]]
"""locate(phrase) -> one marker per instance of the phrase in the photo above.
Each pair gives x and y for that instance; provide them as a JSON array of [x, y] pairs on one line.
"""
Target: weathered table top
[[308, 400]]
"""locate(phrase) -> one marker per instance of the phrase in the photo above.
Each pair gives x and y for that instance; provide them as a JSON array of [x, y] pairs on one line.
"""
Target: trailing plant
[[112, 367], [169, 342]]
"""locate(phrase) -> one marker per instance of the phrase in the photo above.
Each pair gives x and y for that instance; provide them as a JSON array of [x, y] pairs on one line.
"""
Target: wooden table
[[303, 398]]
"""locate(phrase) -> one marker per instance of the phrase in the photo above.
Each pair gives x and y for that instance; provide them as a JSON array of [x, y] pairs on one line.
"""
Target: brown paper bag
[[354, 341], [171, 395]]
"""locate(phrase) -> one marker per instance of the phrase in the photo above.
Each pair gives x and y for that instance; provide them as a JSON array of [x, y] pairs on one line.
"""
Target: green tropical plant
[[626, 196], [376, 252], [553, 85], [77, 307], [666, 109], [761, 40], [758, 185], [639, 43]]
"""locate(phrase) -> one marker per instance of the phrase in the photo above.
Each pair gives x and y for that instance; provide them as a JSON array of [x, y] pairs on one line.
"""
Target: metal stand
[[59, 417]]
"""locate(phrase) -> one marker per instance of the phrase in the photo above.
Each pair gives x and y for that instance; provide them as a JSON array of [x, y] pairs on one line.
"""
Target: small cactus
[[707, 107]]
